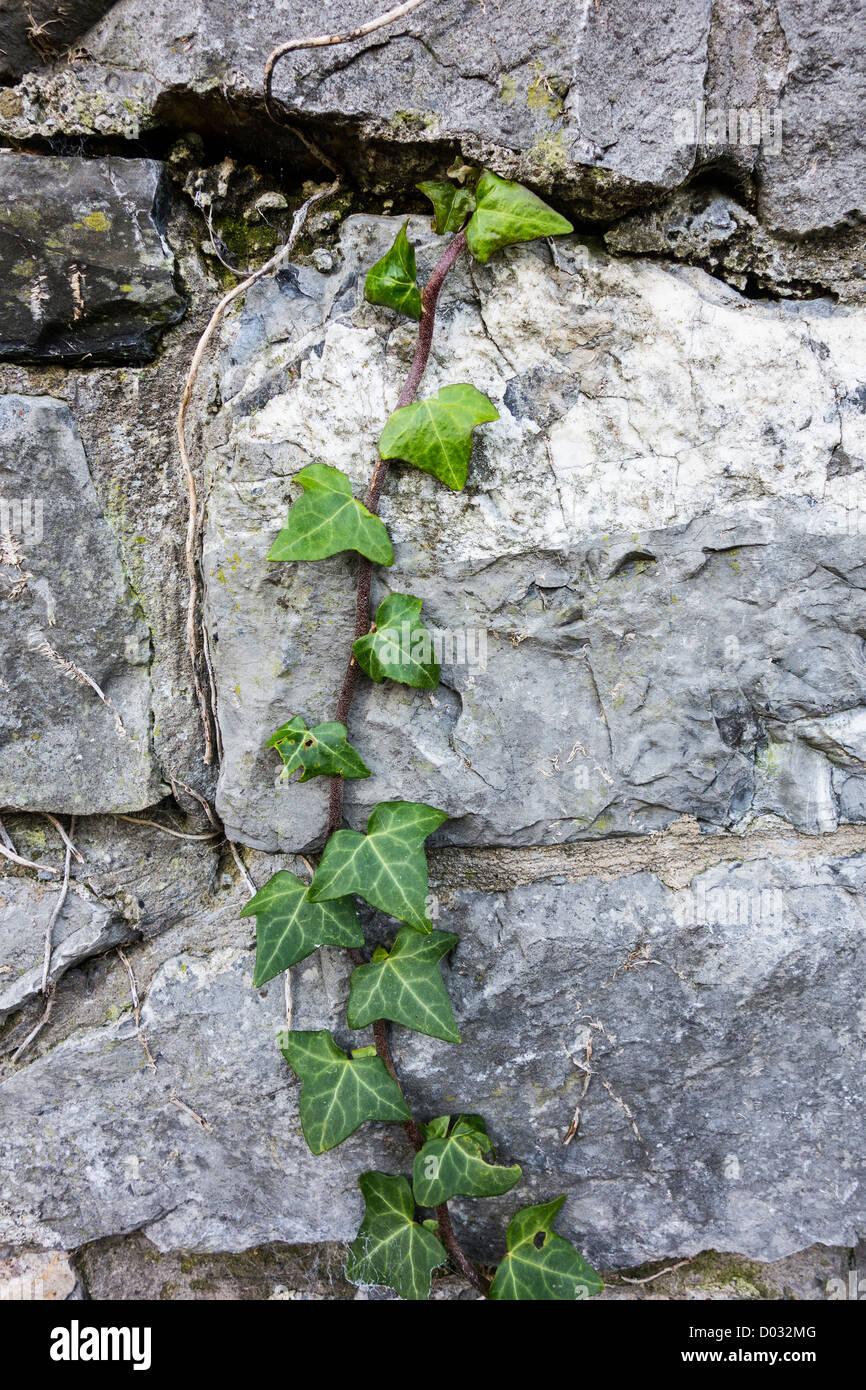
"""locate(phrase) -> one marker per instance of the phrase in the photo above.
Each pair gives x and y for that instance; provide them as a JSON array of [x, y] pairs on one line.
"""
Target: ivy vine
[[397, 1245]]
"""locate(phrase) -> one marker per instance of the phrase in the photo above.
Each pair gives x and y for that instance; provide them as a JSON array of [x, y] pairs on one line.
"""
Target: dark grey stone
[[84, 928], [707, 227], [69, 618], [88, 274]]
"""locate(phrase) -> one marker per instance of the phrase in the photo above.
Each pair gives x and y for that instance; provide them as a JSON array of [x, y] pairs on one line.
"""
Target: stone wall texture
[[650, 734]]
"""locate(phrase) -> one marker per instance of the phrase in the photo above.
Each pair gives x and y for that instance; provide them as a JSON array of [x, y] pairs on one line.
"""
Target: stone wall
[[652, 740]]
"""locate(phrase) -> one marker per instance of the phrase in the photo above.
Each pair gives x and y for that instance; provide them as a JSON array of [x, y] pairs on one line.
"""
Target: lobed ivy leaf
[[436, 435], [548, 1271], [338, 1093], [392, 280], [289, 927], [401, 647], [508, 212], [405, 986], [387, 867], [453, 1165], [451, 204], [328, 519], [319, 752], [391, 1247]]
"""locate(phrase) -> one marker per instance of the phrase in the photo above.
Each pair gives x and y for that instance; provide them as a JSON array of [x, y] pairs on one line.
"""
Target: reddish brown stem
[[455, 1250], [374, 492], [429, 301]]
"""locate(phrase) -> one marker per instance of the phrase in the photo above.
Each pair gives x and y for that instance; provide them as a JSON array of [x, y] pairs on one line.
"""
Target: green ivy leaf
[[391, 1247], [401, 647], [289, 927], [319, 752], [436, 435], [453, 1165], [387, 867], [550, 1271], [328, 519], [392, 280], [338, 1093], [451, 205], [508, 212], [406, 986]]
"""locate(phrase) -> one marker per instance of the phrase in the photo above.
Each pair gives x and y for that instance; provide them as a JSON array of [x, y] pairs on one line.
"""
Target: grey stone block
[[70, 622], [89, 276]]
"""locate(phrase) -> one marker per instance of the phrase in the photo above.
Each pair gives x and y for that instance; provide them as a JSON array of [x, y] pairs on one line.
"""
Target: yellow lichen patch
[[542, 95], [95, 221]]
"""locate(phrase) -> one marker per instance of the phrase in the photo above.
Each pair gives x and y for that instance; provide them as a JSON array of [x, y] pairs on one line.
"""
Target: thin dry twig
[[202, 801], [218, 827], [8, 850], [329, 40], [166, 830], [624, 1106], [5, 837], [63, 835], [76, 673], [587, 1077], [215, 247], [136, 1005], [241, 866], [34, 1032], [47, 988], [182, 1105], [57, 909], [670, 1269], [195, 640]]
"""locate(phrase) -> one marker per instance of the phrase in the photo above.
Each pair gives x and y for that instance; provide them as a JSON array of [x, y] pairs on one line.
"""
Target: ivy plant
[[436, 434], [328, 519], [398, 645], [323, 751], [407, 1231]]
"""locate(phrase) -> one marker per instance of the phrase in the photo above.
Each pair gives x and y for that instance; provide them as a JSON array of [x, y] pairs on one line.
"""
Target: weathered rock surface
[[131, 1267], [454, 72], [657, 560], [706, 227], [123, 417], [88, 272], [40, 30], [37, 1274], [609, 106], [69, 623], [658, 565], [724, 1109], [83, 929]]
